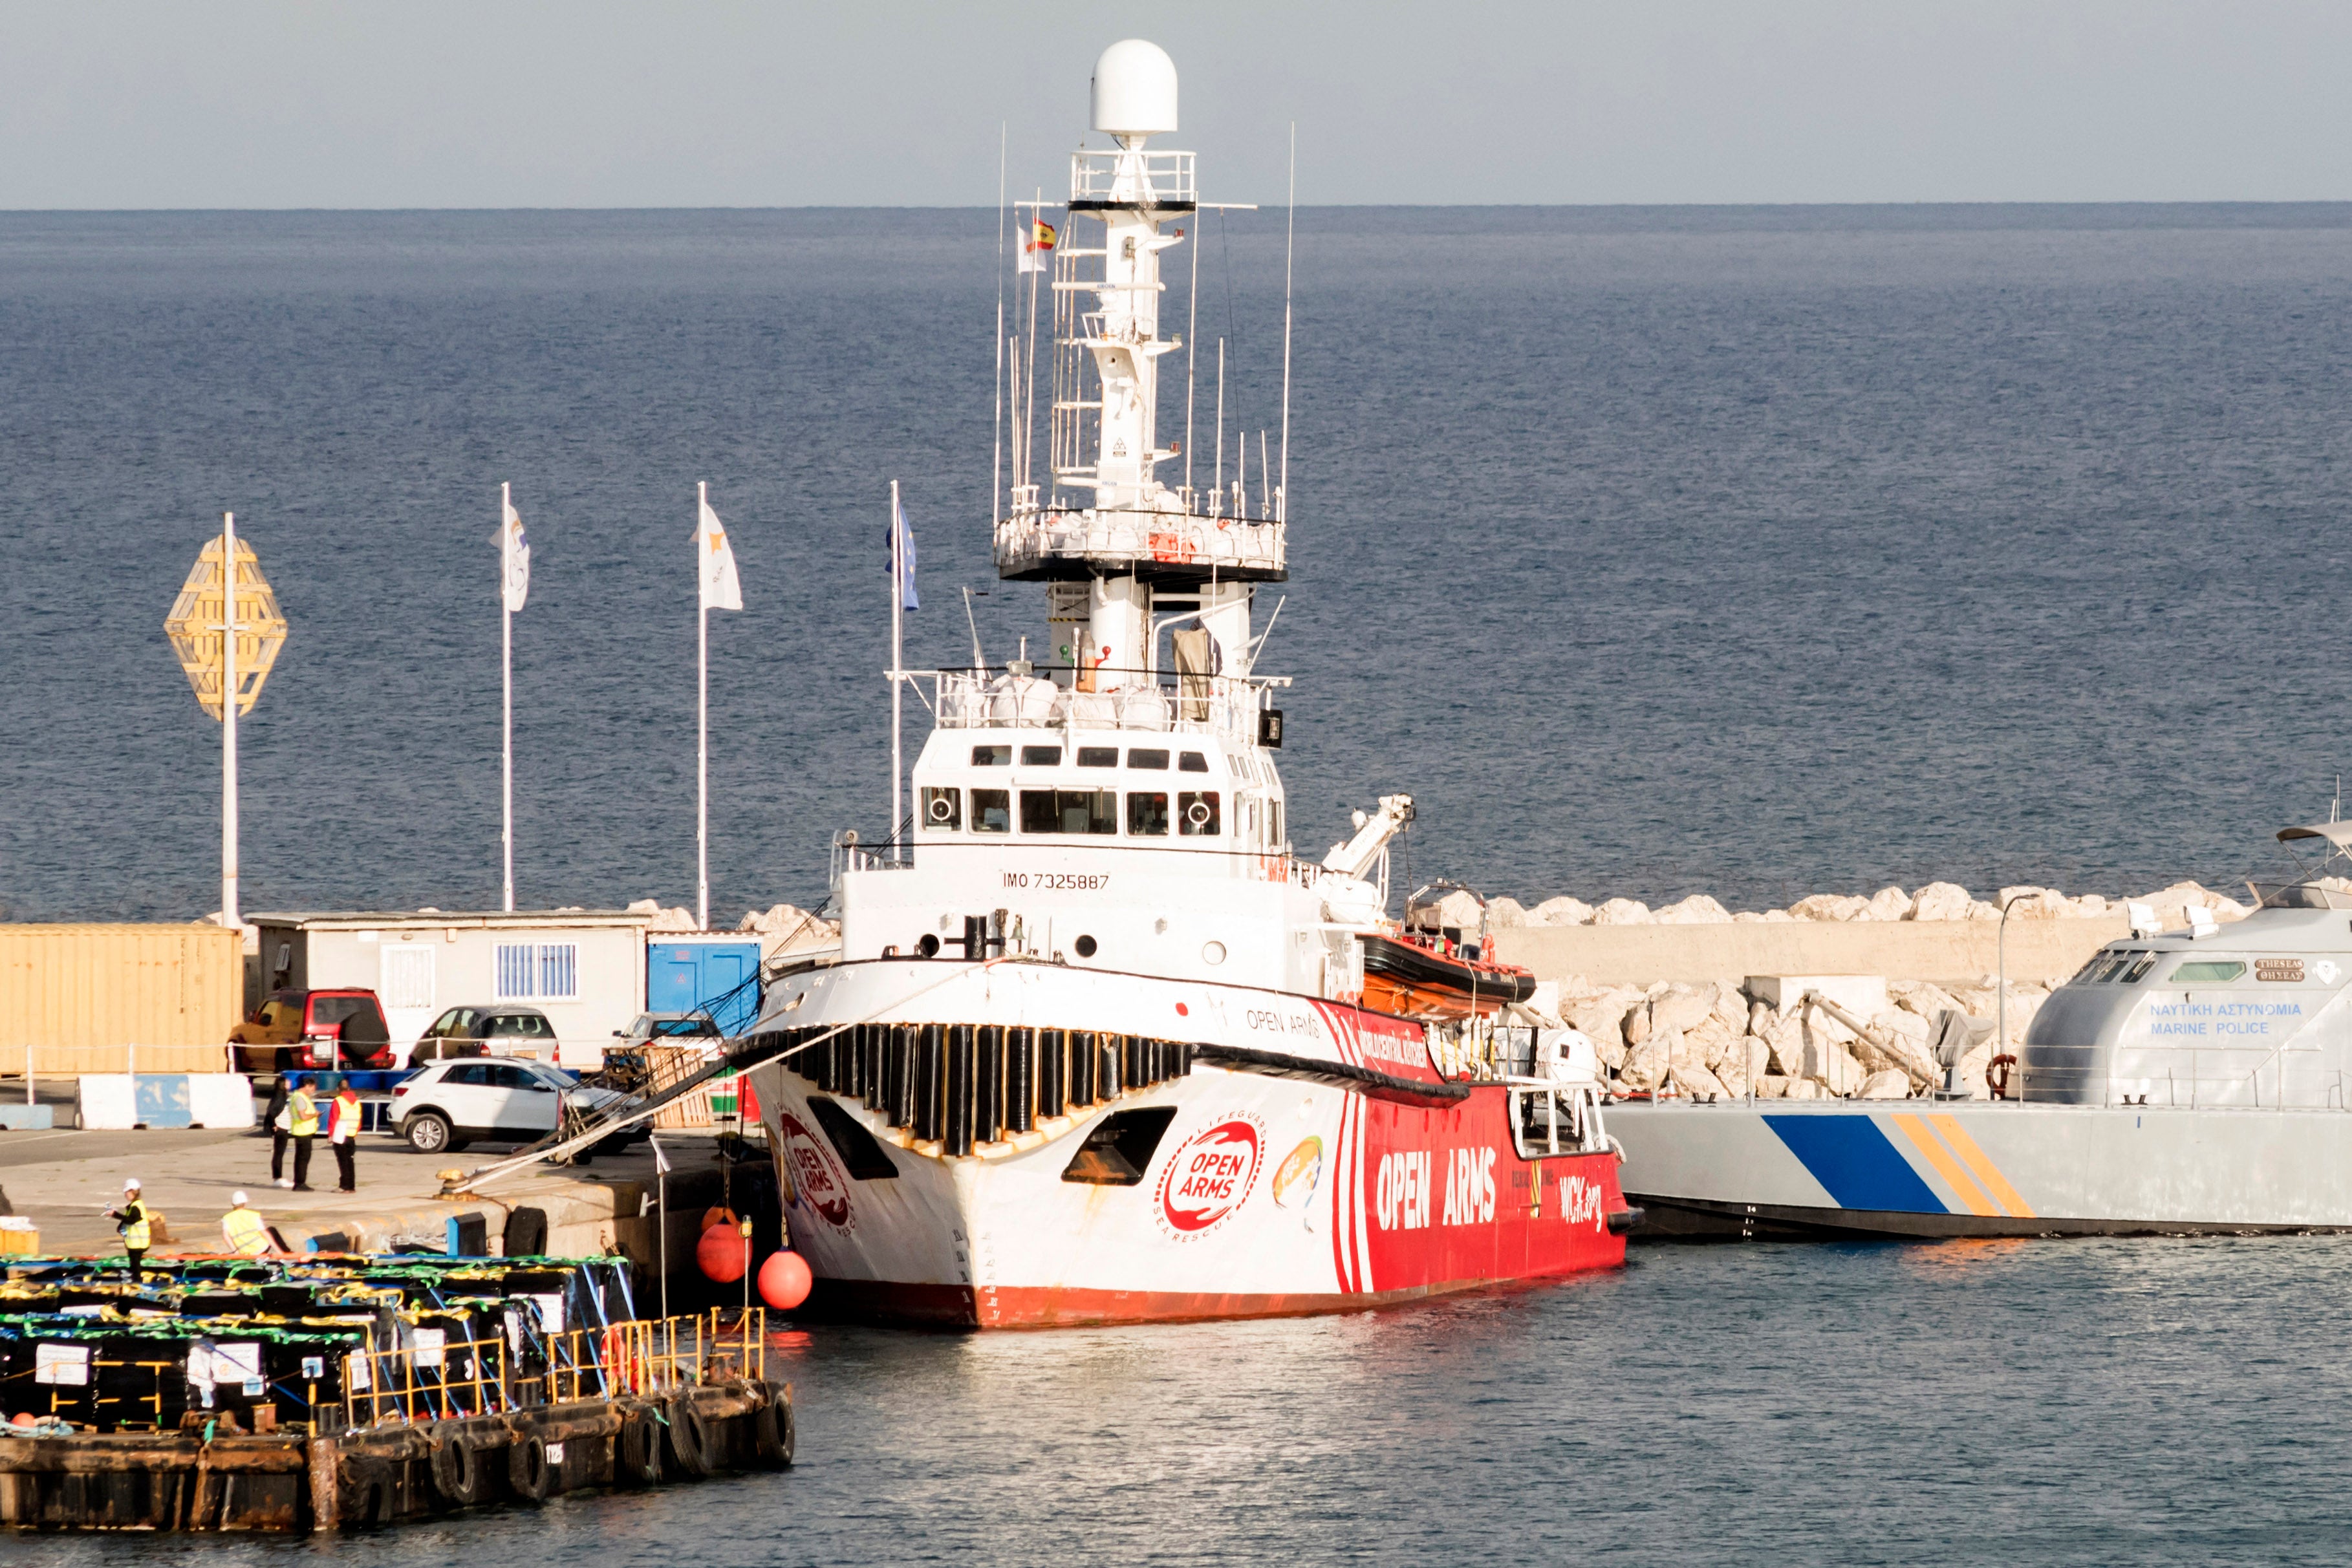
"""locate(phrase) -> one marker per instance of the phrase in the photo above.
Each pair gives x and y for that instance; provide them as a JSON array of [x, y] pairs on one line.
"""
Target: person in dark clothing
[[280, 1133]]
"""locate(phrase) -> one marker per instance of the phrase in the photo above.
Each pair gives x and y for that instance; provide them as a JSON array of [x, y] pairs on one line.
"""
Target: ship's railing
[[851, 855], [1118, 177], [1237, 546], [1141, 701]]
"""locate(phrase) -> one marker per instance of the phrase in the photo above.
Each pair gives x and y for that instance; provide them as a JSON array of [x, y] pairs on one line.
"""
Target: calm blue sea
[[1756, 552], [1752, 551]]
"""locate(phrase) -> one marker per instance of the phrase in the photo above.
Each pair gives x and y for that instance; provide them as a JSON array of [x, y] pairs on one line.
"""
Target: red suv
[[312, 1029]]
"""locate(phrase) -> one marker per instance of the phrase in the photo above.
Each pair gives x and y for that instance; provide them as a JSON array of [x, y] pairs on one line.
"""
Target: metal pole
[[663, 1205], [2001, 1003], [506, 667], [701, 729], [229, 917], [1289, 249], [897, 604]]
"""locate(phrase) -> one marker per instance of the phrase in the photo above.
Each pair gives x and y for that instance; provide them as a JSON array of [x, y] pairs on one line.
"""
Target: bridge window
[[1041, 757], [1144, 758], [1069, 811], [1098, 756], [1199, 815], [992, 810], [992, 757], [2139, 971], [1147, 813], [2209, 973], [1191, 762]]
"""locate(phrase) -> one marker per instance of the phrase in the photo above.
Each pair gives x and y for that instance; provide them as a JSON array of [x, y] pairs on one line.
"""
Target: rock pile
[[1710, 1041], [1936, 901]]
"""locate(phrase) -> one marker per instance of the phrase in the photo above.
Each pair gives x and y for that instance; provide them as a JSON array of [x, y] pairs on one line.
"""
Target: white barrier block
[[220, 1099], [106, 1102]]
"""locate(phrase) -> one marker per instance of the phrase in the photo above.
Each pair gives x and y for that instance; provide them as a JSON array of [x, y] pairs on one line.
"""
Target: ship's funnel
[[1134, 90]]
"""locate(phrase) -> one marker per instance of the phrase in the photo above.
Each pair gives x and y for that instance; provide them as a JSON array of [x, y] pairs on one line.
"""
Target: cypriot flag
[[714, 560], [514, 558]]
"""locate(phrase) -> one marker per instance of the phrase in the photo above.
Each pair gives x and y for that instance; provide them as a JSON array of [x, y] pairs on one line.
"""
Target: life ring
[[1997, 1073]]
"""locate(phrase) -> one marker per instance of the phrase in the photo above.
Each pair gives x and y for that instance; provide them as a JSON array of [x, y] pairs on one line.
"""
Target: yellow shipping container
[[80, 996]]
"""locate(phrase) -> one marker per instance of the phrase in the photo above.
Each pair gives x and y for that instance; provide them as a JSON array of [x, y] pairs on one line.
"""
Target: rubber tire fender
[[363, 1492], [529, 1475], [458, 1473], [772, 1434], [637, 1450], [685, 1437]]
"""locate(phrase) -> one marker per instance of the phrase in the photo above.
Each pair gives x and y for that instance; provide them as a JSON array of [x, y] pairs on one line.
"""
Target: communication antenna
[[996, 475], [978, 663], [1289, 250]]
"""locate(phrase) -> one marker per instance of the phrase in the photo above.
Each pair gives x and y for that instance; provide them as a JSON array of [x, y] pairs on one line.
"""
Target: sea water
[[1751, 551]]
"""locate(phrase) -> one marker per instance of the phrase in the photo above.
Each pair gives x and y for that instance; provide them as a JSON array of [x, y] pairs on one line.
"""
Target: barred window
[[522, 971]]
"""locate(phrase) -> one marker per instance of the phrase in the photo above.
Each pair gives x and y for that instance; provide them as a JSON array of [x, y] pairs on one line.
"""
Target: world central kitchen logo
[[1210, 1175]]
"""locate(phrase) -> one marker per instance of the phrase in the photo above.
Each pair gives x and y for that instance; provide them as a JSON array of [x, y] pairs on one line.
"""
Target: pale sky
[[589, 103]]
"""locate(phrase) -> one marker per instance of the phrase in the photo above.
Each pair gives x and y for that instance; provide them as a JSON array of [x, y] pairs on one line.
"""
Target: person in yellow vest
[[242, 1229], [302, 1124], [130, 1221]]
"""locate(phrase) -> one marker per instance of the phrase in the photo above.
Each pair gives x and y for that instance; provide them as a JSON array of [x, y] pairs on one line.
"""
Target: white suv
[[448, 1104]]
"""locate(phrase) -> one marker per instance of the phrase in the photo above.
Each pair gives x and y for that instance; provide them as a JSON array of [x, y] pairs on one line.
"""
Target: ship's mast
[[1124, 553]]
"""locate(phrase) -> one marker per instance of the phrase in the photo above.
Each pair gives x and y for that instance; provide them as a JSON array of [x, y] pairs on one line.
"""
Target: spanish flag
[[1037, 255]]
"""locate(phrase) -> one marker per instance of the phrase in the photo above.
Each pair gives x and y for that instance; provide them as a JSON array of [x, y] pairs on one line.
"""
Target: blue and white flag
[[902, 555]]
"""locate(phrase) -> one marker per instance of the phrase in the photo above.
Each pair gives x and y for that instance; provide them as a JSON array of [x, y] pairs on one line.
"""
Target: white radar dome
[[1135, 90]]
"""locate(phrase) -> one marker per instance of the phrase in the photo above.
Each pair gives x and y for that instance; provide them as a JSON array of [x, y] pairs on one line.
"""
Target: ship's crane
[[1360, 854]]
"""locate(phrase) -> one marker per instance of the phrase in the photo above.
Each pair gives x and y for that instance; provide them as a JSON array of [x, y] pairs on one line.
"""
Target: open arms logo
[[1209, 1176], [822, 1184]]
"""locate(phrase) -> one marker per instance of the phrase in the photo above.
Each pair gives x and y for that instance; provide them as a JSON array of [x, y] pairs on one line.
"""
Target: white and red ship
[[1098, 1046]]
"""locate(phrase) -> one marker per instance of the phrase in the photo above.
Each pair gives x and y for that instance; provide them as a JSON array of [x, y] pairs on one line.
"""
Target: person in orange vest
[[342, 1133]]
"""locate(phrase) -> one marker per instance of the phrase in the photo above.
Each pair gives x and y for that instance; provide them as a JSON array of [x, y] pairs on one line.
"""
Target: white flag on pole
[[514, 560], [715, 558]]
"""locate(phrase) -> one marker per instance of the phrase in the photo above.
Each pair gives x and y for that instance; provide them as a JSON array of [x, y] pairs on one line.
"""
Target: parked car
[[447, 1104], [485, 1031], [340, 1028], [667, 1029]]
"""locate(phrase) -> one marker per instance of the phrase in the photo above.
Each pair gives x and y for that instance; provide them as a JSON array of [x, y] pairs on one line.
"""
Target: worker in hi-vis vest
[[242, 1229], [302, 1126], [131, 1222]]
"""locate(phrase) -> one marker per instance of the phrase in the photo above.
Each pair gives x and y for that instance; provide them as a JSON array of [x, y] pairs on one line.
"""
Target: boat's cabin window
[[944, 808], [1139, 756], [1069, 811], [1098, 756], [992, 810], [1147, 812], [2141, 965], [1192, 762], [1198, 815], [2207, 973], [992, 757], [2110, 964], [1041, 757]]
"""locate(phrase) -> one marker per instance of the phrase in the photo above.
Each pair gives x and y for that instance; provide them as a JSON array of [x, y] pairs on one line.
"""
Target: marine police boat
[[2185, 1083]]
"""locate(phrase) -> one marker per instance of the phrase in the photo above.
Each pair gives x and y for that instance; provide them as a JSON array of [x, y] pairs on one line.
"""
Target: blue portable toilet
[[690, 974]]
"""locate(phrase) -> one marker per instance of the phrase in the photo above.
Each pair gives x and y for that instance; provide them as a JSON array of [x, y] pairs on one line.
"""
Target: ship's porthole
[[928, 946], [1214, 952], [1086, 946]]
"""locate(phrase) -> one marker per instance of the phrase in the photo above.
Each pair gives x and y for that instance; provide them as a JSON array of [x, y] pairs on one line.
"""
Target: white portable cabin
[[584, 968]]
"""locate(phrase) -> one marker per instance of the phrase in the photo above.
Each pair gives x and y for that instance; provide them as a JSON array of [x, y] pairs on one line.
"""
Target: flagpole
[[702, 725], [229, 915], [898, 610], [505, 667]]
